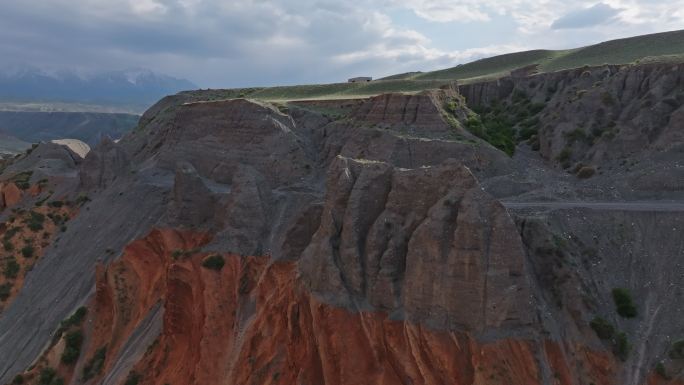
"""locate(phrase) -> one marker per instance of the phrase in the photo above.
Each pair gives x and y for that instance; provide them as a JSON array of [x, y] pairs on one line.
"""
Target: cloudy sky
[[230, 43]]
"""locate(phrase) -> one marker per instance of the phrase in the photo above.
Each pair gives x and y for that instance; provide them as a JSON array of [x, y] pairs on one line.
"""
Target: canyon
[[401, 238]]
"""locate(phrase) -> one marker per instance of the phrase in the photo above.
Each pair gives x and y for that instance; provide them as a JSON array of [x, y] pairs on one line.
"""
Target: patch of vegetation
[[495, 132], [42, 201], [11, 269], [214, 262], [506, 124], [577, 135], [35, 221], [622, 346], [18, 380], [72, 350], [5, 291], [22, 180], [133, 378], [10, 233], [604, 329], [661, 371], [564, 157], [76, 318], [82, 199], [677, 350], [623, 302], [586, 172], [180, 253], [451, 106], [7, 245], [48, 376], [57, 219], [56, 204], [94, 366], [28, 251]]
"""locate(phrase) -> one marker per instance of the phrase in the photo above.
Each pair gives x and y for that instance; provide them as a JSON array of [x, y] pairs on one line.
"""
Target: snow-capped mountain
[[130, 87]]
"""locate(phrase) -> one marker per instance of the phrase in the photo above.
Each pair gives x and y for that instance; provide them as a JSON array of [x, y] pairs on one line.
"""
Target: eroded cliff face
[[423, 259], [253, 322], [336, 242], [624, 122]]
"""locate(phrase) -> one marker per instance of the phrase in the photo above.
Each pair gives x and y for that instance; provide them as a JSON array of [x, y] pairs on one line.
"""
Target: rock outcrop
[[429, 258], [597, 115]]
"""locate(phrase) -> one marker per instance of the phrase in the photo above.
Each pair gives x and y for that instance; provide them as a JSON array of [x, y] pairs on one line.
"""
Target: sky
[[239, 43]]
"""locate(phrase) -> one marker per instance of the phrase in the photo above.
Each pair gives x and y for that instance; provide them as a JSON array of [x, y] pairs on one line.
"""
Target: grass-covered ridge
[[661, 47], [648, 48]]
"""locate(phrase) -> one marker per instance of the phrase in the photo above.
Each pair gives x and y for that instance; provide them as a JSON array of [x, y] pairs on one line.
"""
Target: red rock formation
[[10, 195], [129, 288], [253, 322]]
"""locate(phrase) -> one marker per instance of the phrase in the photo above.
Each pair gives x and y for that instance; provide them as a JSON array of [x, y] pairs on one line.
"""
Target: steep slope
[[621, 51], [343, 242], [623, 122]]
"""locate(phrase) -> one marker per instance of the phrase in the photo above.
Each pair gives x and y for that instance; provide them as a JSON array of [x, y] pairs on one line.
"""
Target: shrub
[[527, 132], [7, 245], [564, 157], [451, 106], [94, 366], [519, 96], [18, 380], [495, 130], [56, 204], [40, 202], [623, 303], [5, 290], [22, 179], [10, 233], [46, 376], [133, 378], [604, 330], [536, 108], [575, 135], [76, 318], [178, 253], [622, 346], [677, 350], [586, 172], [27, 251], [82, 199], [214, 262], [35, 221], [72, 350], [11, 269], [661, 371]]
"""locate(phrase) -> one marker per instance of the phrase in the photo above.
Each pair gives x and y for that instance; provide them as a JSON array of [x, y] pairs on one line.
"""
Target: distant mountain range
[[89, 127], [11, 145], [132, 87]]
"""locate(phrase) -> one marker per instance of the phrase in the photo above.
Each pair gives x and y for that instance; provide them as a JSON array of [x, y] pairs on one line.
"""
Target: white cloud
[[264, 42], [147, 7]]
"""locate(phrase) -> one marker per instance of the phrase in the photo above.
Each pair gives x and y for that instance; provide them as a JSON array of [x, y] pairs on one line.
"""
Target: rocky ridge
[[237, 241]]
